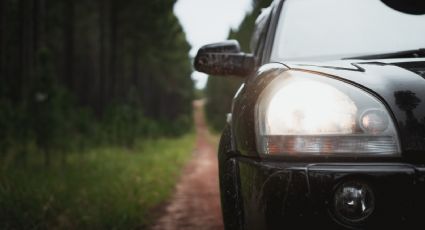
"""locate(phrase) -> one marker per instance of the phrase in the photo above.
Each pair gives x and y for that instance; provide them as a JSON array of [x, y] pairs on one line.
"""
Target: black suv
[[328, 129]]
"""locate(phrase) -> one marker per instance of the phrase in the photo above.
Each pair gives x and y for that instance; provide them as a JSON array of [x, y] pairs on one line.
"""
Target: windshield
[[320, 29]]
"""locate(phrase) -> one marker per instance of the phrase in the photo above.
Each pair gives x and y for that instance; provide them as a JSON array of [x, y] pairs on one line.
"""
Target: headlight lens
[[305, 113]]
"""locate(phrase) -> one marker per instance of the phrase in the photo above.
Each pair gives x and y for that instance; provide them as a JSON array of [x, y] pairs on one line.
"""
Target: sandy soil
[[196, 201]]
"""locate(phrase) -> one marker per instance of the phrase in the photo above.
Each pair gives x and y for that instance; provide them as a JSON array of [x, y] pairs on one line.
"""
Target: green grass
[[104, 188]]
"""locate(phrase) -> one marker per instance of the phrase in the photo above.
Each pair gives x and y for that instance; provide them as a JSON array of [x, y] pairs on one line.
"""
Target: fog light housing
[[354, 202]]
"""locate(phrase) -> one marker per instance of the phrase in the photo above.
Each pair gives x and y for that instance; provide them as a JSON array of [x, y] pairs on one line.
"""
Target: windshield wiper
[[400, 54]]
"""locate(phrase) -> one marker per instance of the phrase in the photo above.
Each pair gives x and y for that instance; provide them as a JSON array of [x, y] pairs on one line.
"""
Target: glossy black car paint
[[268, 193], [296, 192]]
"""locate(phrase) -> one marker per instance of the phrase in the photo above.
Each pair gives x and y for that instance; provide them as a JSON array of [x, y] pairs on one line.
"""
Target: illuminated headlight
[[305, 113]]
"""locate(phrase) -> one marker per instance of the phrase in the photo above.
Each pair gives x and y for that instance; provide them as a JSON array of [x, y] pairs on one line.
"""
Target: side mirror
[[224, 58]]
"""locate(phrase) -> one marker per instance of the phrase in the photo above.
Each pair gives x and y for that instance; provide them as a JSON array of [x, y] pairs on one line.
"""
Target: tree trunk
[[2, 42], [69, 44], [103, 57], [113, 48]]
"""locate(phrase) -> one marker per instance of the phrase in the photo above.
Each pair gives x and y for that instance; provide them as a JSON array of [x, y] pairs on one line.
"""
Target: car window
[[309, 29]]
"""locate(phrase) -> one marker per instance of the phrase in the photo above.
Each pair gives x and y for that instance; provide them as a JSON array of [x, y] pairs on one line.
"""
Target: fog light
[[353, 202]]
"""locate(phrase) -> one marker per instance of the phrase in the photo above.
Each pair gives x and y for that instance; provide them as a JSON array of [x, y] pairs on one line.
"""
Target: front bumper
[[277, 195]]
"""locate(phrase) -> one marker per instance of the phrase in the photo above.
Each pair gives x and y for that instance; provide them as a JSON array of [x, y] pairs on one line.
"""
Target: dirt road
[[196, 202]]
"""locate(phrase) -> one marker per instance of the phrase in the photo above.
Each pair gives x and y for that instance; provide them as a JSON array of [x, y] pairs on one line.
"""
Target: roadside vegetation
[[101, 188]]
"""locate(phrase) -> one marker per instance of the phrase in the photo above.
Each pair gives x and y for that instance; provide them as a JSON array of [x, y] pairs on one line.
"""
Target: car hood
[[398, 82]]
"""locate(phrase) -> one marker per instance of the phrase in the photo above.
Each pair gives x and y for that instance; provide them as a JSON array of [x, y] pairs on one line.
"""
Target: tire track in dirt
[[196, 200]]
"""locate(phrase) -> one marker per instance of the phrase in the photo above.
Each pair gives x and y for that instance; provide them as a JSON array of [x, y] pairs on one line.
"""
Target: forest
[[77, 73]]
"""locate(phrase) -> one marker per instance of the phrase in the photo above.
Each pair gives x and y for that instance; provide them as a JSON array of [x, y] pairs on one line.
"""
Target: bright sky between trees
[[208, 21]]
